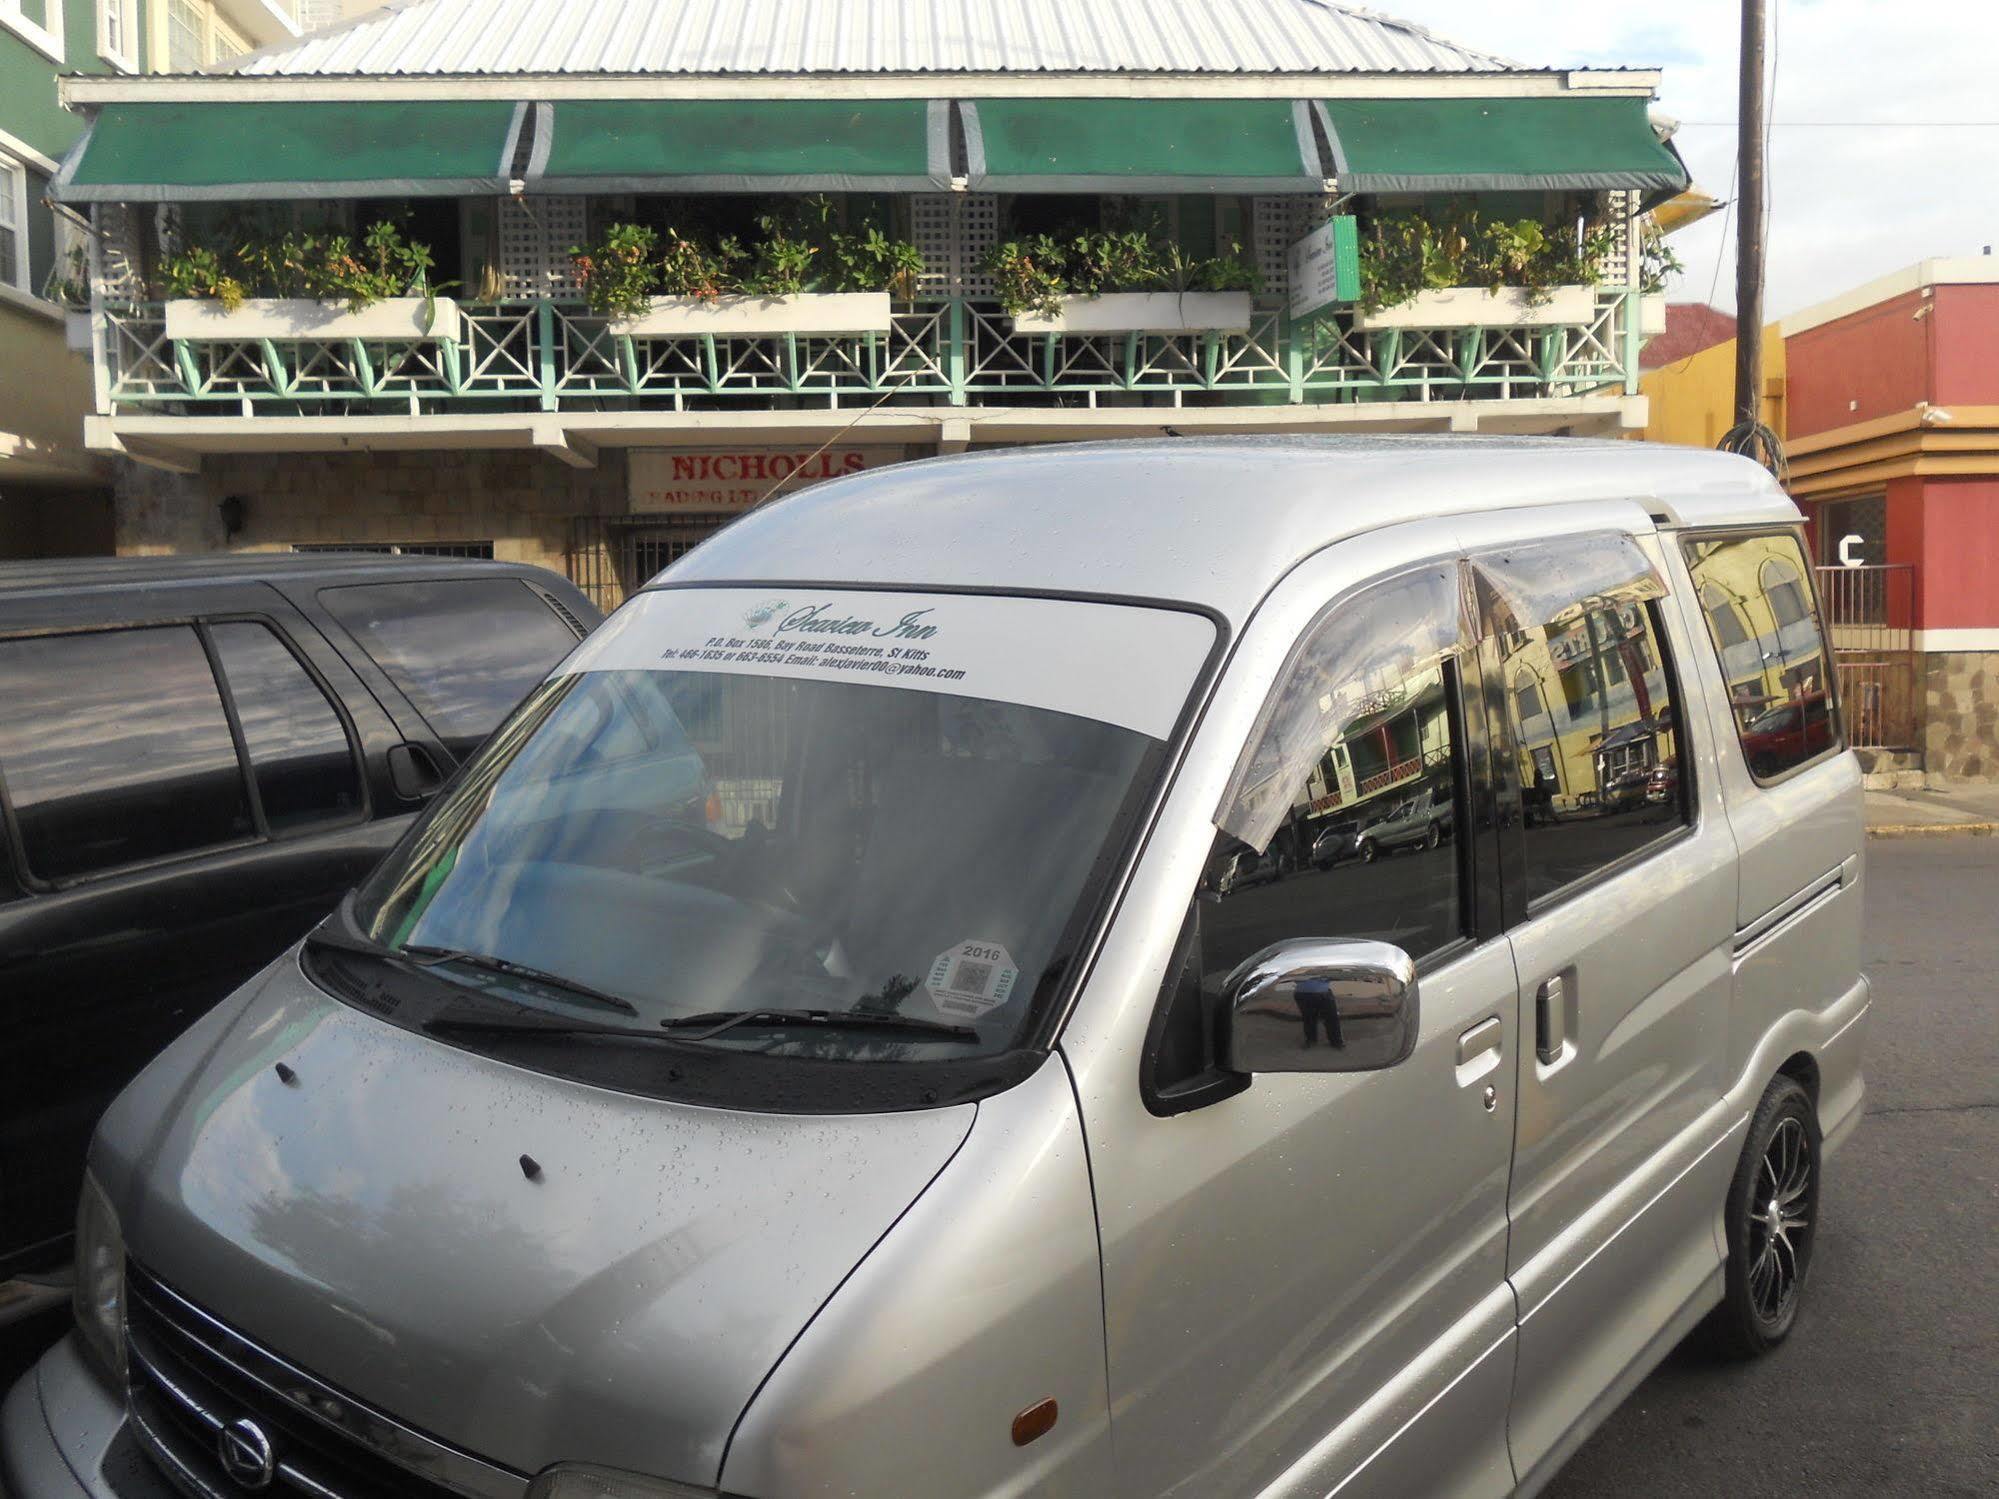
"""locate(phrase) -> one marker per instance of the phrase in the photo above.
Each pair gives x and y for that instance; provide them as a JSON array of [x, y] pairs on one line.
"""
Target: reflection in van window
[[1368, 820], [115, 749], [299, 751], [690, 842], [463, 651], [1590, 710], [1767, 636]]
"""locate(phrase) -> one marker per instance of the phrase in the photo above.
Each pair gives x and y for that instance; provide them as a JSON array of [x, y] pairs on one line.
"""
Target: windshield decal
[[971, 978], [1114, 663]]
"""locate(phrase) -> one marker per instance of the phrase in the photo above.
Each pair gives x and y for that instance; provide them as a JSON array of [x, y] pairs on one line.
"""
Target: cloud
[[1880, 186]]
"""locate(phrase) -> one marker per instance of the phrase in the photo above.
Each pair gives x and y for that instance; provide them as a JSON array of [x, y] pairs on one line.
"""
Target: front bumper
[[63, 1436]]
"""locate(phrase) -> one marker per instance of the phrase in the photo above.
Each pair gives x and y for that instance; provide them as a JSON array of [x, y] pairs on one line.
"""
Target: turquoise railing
[[556, 356]]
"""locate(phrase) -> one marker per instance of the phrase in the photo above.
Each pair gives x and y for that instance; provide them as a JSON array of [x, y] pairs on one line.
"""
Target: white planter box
[[412, 318], [1652, 314], [1476, 307], [1145, 312], [808, 312], [76, 330]]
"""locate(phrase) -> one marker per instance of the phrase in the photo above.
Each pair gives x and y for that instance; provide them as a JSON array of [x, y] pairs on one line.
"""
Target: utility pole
[[1749, 220]]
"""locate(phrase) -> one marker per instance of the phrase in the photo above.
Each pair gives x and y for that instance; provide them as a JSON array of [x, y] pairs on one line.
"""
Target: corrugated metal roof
[[459, 37]]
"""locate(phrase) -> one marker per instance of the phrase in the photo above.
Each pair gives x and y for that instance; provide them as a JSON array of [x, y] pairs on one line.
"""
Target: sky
[[1885, 144]]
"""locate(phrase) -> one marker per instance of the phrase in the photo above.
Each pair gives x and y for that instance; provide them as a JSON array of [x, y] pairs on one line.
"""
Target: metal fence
[[1870, 619]]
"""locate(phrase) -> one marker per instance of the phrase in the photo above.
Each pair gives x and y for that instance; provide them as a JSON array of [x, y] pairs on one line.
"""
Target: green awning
[[1140, 146], [742, 145], [1497, 145], [179, 153]]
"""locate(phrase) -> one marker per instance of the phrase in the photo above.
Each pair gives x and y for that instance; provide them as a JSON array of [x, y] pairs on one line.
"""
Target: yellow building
[[1691, 400]]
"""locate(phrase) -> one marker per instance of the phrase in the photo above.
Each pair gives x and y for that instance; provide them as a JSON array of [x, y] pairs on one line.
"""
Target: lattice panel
[[535, 236], [1277, 223], [954, 231], [1618, 266]]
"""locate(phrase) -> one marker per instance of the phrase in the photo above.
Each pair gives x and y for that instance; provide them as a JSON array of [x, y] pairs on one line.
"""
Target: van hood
[[372, 1223]]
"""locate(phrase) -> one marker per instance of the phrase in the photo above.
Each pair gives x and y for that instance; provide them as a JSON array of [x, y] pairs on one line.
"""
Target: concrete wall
[[523, 502], [44, 389], [1932, 345]]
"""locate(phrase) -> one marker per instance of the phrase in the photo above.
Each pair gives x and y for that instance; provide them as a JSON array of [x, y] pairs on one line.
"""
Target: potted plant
[[1120, 281], [804, 275], [304, 284], [1456, 268]]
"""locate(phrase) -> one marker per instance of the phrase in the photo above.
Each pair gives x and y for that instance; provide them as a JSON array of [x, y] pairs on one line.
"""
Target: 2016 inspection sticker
[[971, 979]]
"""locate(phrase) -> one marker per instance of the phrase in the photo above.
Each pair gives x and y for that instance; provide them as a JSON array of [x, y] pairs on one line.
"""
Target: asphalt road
[[1890, 1385]]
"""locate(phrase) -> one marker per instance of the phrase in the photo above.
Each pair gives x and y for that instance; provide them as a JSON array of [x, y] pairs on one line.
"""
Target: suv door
[[1621, 918], [1304, 1272], [184, 797]]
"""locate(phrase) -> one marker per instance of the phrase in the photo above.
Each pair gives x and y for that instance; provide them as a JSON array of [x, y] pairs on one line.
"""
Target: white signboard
[[727, 481], [1114, 663], [1315, 275]]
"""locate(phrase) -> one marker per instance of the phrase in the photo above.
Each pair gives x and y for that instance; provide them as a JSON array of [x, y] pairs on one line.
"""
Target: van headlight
[[584, 1481], [100, 1280]]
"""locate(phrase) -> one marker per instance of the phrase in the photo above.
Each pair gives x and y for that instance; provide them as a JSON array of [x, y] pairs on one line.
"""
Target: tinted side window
[[1757, 600], [462, 651], [115, 748], [1590, 703], [299, 751]]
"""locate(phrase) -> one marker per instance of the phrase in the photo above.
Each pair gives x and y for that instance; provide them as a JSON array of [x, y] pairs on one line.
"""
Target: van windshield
[[846, 806]]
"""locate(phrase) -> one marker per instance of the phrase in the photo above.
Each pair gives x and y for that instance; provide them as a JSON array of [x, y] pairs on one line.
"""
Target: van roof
[[229, 567], [1208, 521]]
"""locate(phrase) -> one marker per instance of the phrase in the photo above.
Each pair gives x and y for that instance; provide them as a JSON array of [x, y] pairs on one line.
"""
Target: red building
[[1891, 405]]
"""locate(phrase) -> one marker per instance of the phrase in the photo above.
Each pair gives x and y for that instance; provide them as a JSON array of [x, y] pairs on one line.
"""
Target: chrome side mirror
[[1321, 1005]]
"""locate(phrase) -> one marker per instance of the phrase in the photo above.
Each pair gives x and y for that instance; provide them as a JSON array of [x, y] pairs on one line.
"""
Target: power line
[[1849, 125]]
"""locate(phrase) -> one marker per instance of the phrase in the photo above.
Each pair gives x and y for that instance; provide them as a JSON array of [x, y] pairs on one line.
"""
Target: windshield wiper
[[718, 1021], [431, 957]]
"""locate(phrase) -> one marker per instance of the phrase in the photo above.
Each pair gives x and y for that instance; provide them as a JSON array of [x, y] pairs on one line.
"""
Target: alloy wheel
[[1779, 1219]]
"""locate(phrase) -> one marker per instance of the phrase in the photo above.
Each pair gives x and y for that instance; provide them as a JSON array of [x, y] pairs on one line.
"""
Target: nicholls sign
[[669, 481]]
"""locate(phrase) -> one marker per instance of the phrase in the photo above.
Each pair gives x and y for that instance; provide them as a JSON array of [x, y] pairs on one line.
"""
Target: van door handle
[[1481, 1038], [1551, 1020], [1478, 1051]]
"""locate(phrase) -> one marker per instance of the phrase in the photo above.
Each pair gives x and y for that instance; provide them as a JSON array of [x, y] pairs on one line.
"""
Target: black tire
[[1433, 837], [1771, 1218], [1367, 853]]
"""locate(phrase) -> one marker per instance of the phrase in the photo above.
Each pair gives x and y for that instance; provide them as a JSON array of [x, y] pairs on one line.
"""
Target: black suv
[[198, 756]]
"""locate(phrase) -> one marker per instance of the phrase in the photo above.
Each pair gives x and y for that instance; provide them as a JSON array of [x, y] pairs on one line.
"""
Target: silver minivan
[[816, 1047]]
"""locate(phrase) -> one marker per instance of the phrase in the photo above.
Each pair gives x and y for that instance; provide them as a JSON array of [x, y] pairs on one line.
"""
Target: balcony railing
[[556, 356]]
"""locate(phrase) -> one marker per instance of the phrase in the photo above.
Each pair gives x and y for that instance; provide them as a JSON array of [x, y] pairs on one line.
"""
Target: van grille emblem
[[246, 1454]]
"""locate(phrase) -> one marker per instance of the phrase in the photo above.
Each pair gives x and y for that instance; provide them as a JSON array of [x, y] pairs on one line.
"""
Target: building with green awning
[[690, 254]]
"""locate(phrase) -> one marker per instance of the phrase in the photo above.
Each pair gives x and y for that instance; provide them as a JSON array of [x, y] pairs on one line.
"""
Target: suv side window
[[1590, 704], [1345, 818], [115, 748], [299, 751], [1764, 623], [464, 651]]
